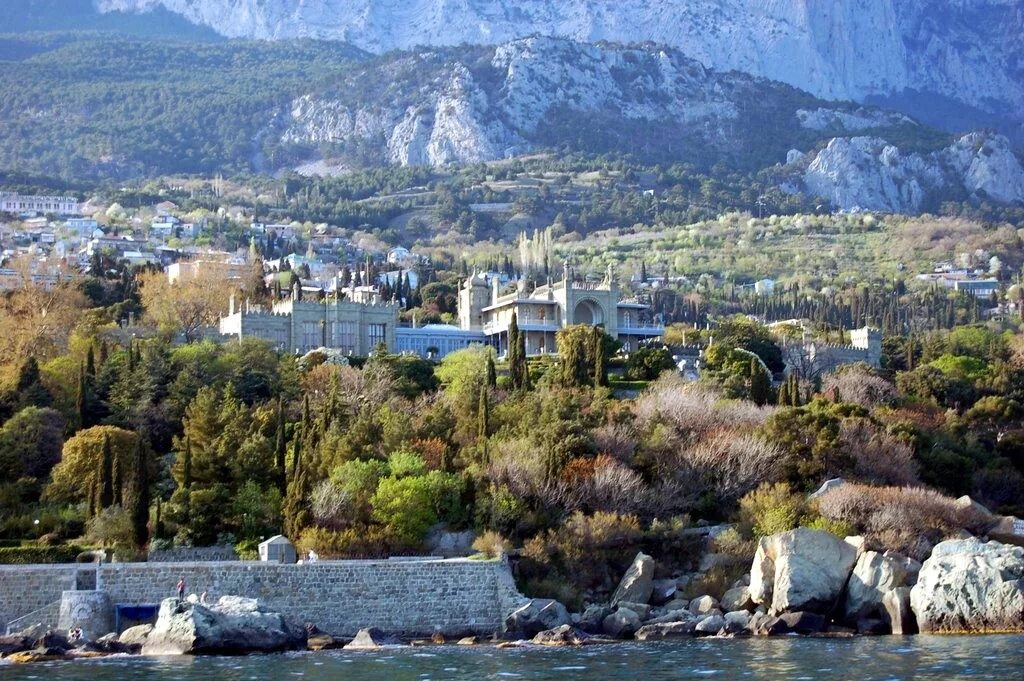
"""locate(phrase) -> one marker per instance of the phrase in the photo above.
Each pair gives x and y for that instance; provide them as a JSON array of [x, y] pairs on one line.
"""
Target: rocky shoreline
[[805, 582]]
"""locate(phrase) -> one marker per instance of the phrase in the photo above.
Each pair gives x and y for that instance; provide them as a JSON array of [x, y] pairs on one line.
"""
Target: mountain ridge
[[967, 51]]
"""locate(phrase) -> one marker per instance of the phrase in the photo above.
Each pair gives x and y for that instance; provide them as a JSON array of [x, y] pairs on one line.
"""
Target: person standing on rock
[[181, 590]]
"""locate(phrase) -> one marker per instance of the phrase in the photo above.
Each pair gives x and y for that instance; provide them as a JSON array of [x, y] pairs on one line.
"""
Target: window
[[311, 336], [347, 337], [376, 334]]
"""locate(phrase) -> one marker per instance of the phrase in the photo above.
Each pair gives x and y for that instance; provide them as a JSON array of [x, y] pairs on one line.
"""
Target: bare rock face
[[135, 635], [235, 625], [638, 582], [873, 577], [970, 586], [802, 569], [897, 612]]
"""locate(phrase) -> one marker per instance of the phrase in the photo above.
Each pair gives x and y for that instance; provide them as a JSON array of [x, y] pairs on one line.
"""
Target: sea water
[[800, 659]]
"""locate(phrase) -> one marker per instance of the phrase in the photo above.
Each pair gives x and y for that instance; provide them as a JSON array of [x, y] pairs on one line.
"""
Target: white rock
[[967, 586], [802, 569], [874, 576]]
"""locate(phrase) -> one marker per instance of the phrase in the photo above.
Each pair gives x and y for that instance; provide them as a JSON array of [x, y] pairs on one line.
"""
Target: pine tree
[[600, 361], [140, 495], [280, 450], [519, 372], [106, 476], [760, 383]]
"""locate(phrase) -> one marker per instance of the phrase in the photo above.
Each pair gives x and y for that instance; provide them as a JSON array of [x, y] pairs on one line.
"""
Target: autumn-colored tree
[[188, 304]]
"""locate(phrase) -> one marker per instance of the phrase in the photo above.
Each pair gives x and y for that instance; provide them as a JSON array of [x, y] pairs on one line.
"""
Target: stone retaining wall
[[27, 588], [413, 597]]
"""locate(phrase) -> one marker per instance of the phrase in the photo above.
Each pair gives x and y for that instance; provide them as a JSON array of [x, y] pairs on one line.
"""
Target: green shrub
[[248, 549], [371, 541], [836, 527], [28, 555], [491, 544], [770, 509]]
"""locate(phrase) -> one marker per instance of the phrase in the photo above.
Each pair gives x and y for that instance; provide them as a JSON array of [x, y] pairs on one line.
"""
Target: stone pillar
[[90, 610]]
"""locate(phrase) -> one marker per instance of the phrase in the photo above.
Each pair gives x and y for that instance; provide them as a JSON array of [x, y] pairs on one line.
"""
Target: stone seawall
[[27, 588], [413, 597]]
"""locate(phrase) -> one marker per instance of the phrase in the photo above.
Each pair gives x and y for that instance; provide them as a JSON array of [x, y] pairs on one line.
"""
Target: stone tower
[[474, 296]]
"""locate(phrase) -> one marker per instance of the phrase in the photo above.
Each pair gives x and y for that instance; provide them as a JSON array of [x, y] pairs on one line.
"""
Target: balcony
[[525, 324]]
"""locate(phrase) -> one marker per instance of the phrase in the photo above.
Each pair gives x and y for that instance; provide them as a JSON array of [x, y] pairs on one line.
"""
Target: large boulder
[[703, 605], [593, 617], [662, 631], [710, 625], [638, 582], [1008, 530], [372, 639], [565, 635], [235, 625], [802, 569], [737, 598], [135, 635], [622, 623], [970, 586], [874, 576], [540, 614], [663, 591]]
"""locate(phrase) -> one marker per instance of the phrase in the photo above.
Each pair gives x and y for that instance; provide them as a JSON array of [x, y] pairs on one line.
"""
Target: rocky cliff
[[869, 173], [965, 50], [466, 105]]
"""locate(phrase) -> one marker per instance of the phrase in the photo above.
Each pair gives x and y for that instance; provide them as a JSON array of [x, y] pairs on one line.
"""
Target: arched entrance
[[588, 312]]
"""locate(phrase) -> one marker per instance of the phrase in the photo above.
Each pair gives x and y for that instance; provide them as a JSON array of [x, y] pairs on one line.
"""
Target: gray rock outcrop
[[540, 614], [622, 623], [802, 569], [874, 575], [371, 639], [235, 625], [970, 586], [638, 582]]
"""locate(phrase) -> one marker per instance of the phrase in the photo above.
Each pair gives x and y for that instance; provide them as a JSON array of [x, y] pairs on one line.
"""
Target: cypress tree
[[600, 364], [117, 482], [280, 450], [91, 510], [784, 399], [492, 372], [760, 383], [186, 465], [158, 521], [296, 513], [90, 364], [140, 495], [104, 352], [483, 415], [106, 475], [295, 457], [519, 372], [81, 400]]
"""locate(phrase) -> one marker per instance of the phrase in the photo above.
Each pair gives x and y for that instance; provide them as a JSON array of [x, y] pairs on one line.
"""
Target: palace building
[[540, 313]]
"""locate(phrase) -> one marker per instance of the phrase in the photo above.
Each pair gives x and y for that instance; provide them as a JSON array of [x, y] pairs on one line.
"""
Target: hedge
[[28, 555]]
